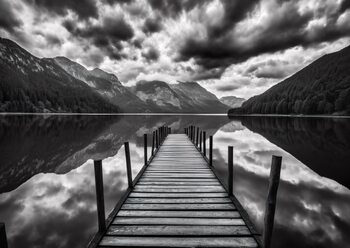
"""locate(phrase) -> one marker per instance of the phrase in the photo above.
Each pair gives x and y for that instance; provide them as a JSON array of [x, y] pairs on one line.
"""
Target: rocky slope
[[232, 101], [31, 84], [105, 84], [187, 97]]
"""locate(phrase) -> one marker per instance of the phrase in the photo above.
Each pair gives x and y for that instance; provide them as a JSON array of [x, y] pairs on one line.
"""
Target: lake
[[47, 187]]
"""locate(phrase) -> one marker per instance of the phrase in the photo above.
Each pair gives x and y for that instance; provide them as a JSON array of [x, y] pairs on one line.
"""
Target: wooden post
[[145, 147], [190, 130], [128, 164], [194, 135], [157, 143], [204, 144], [3, 238], [169, 130], [100, 202], [270, 206], [200, 141], [153, 140], [211, 150], [197, 136], [230, 170]]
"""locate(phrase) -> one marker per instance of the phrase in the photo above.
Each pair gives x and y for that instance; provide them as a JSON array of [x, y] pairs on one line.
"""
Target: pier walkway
[[178, 201]]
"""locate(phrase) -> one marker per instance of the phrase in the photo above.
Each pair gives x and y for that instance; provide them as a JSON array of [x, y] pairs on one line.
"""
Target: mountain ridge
[[322, 87]]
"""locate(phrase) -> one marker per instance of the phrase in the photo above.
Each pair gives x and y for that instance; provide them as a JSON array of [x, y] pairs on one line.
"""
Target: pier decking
[[178, 202]]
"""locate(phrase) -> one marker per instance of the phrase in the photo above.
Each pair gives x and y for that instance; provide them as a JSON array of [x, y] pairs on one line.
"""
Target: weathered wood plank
[[179, 213], [177, 195], [178, 221], [170, 183], [178, 200], [178, 241], [163, 230], [178, 206]]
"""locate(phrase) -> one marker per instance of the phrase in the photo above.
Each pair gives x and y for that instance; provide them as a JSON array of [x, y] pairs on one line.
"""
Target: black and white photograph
[[174, 123]]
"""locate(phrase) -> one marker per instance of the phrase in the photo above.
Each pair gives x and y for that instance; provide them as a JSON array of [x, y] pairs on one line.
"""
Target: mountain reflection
[[312, 207], [323, 144], [47, 180]]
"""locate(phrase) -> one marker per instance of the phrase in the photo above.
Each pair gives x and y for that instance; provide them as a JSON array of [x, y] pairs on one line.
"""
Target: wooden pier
[[177, 201]]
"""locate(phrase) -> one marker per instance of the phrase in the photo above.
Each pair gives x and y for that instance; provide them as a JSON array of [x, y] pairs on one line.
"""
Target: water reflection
[[312, 209], [46, 174], [47, 180]]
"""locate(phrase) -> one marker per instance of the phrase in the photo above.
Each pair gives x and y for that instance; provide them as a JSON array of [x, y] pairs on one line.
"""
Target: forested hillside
[[31, 84], [323, 87]]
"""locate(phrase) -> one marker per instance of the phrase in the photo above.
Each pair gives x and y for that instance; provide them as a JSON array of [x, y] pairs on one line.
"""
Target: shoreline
[[290, 116]]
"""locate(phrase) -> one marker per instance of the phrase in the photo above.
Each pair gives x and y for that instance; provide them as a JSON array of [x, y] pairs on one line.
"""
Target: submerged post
[[204, 145], [211, 150], [270, 206], [153, 140], [200, 141], [230, 170], [3, 238], [145, 147], [128, 164], [99, 196], [197, 136]]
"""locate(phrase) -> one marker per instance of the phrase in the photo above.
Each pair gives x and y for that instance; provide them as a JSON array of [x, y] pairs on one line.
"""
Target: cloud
[[239, 37], [8, 19], [152, 25], [84, 8], [107, 34], [151, 54], [173, 8]]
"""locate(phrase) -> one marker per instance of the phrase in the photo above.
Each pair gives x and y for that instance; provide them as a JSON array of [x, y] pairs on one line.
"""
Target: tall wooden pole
[[197, 136], [153, 141], [230, 170], [145, 147], [200, 141], [204, 144], [100, 196], [270, 206], [128, 164], [3, 238], [211, 150], [157, 139]]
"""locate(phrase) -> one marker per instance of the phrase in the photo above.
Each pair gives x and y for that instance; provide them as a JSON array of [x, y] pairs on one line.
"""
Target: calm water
[[47, 190]]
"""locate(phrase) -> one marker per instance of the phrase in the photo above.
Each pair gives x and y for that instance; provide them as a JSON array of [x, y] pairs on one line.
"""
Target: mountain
[[187, 97], [323, 87], [31, 84], [197, 98], [105, 84], [232, 101]]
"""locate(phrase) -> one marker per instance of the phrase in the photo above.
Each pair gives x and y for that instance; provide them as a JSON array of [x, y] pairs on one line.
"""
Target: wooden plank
[[159, 179], [179, 213], [177, 221], [178, 206], [189, 190], [177, 195], [178, 200], [163, 230], [179, 183], [123, 241], [178, 187]]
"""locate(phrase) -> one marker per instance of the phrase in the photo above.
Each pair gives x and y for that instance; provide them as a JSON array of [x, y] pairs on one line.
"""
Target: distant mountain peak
[[97, 72]]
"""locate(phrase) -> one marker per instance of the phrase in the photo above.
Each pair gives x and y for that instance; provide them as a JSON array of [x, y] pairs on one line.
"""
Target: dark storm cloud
[[173, 7], [151, 54], [234, 11], [285, 29], [83, 8], [228, 87], [152, 25], [112, 2], [8, 19], [106, 35]]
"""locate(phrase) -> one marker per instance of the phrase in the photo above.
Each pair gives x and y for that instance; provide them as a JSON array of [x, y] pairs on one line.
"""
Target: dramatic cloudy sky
[[231, 47]]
